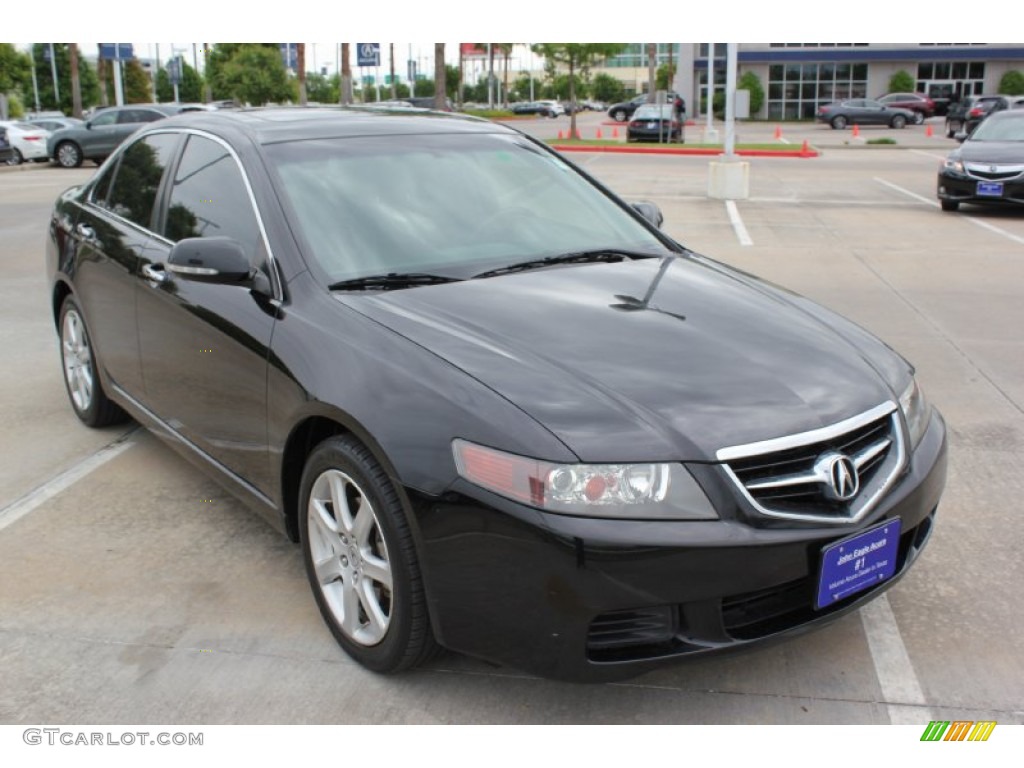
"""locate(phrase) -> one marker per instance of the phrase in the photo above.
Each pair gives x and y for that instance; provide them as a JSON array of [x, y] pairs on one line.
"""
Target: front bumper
[[964, 189], [594, 600]]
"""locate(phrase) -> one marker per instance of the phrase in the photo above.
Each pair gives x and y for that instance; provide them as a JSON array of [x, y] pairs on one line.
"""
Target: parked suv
[[922, 106], [964, 115], [105, 131]]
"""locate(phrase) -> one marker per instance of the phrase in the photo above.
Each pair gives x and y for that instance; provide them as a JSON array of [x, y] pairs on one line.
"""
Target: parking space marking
[[934, 204], [901, 690], [929, 155], [737, 223], [43, 493]]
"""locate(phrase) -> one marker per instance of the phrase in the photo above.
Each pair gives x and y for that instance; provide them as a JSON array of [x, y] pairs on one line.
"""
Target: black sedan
[[863, 112], [6, 149], [501, 411], [652, 122], [988, 167]]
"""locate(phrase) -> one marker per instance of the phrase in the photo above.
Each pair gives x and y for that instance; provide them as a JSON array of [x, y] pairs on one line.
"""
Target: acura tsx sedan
[[499, 409]]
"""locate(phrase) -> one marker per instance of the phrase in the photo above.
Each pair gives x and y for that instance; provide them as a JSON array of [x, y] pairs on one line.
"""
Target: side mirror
[[960, 136], [210, 260], [88, 125], [649, 211]]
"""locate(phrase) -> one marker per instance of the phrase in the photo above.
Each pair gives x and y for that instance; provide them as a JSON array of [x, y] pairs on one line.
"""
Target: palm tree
[[440, 91], [394, 94], [506, 52], [300, 63], [652, 65], [76, 85], [346, 75]]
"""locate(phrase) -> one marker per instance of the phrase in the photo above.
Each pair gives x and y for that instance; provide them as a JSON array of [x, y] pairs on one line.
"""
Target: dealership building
[[799, 77]]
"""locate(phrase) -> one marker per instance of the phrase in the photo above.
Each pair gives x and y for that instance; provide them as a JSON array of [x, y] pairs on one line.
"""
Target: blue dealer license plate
[[990, 189], [857, 563]]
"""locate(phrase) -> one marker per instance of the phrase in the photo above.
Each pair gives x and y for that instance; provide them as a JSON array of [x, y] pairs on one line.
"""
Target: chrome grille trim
[[885, 457]]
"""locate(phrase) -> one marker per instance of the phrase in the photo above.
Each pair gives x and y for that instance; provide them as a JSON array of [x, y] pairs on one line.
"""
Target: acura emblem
[[838, 474], [993, 168]]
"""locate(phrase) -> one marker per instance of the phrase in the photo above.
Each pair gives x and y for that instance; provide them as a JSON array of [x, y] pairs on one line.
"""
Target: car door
[[203, 346], [102, 134], [111, 234]]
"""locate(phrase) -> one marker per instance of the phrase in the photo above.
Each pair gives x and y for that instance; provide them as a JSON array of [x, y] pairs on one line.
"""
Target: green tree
[[1012, 83], [452, 81], [561, 87], [664, 76], [189, 89], [578, 57], [138, 88], [44, 76], [15, 70], [253, 74], [322, 89], [901, 81], [606, 88], [220, 55], [749, 81]]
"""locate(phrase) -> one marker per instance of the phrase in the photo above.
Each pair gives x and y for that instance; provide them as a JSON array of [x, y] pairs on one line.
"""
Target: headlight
[[916, 411], [953, 164], [643, 491]]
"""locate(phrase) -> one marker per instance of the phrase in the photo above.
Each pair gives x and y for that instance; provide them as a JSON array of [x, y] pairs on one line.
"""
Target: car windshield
[[999, 130], [653, 112], [456, 204]]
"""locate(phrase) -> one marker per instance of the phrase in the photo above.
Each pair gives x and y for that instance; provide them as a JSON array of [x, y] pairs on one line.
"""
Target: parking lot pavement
[[141, 592]]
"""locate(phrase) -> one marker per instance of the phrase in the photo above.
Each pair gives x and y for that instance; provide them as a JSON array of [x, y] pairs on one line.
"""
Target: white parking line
[[901, 690], [977, 222], [737, 223], [929, 155], [40, 495]]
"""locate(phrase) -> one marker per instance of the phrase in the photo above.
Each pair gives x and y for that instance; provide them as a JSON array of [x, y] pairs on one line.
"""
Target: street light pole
[[53, 68]]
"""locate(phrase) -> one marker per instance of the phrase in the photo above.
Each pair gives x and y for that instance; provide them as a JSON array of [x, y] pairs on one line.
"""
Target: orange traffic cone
[[778, 132], [560, 135], [579, 137], [929, 132], [599, 133], [856, 130], [805, 150]]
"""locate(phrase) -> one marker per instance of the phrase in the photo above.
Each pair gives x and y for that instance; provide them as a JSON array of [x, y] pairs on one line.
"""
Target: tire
[[362, 567], [68, 154], [81, 376], [839, 122], [950, 205], [898, 121], [16, 157], [918, 118], [619, 115], [951, 128]]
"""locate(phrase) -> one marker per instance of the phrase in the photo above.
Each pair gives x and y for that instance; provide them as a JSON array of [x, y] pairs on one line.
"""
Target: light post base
[[728, 179]]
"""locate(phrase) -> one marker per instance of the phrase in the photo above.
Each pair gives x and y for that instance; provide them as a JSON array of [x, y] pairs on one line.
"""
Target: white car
[[28, 141], [553, 108]]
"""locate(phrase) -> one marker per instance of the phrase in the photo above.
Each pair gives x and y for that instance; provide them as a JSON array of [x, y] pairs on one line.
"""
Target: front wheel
[[918, 118], [839, 122], [360, 558], [899, 121]]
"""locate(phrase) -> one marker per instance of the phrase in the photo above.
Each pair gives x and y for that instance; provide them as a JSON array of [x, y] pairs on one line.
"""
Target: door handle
[[85, 231], [155, 272]]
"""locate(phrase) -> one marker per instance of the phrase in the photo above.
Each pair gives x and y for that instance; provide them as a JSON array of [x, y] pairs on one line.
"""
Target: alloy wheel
[[77, 355], [350, 557], [68, 155]]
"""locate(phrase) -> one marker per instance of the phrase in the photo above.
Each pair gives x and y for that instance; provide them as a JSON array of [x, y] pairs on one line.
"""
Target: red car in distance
[[922, 106]]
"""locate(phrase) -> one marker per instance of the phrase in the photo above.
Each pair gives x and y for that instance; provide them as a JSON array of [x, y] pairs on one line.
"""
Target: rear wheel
[[16, 157], [68, 154], [839, 122], [918, 118], [81, 377], [619, 115], [899, 121], [361, 560], [950, 205]]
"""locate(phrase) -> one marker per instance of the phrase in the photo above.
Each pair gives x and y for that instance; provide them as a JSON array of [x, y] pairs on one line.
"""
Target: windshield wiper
[[575, 257], [391, 280]]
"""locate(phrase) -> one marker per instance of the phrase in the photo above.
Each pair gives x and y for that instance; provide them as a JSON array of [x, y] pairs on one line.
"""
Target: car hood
[[992, 152], [647, 360]]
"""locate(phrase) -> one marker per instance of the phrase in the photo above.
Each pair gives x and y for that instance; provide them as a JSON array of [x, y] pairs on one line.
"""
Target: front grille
[[1001, 172], [790, 478]]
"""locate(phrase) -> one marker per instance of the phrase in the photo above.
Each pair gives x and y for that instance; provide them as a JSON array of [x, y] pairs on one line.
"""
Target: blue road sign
[[290, 54], [174, 70], [368, 54], [122, 51]]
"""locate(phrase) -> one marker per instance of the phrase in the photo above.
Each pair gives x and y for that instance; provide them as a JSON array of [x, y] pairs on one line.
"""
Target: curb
[[705, 152]]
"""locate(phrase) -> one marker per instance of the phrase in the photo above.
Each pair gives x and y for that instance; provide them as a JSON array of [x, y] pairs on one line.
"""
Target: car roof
[[276, 124]]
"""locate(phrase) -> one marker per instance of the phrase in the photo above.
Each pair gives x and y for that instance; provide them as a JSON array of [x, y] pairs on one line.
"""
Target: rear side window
[[105, 118], [138, 116], [209, 199], [137, 180]]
